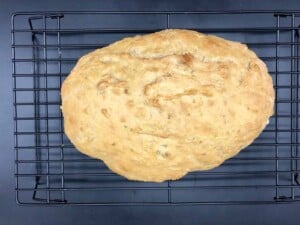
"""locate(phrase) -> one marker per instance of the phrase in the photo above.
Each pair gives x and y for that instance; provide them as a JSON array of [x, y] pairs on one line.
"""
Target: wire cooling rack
[[48, 170]]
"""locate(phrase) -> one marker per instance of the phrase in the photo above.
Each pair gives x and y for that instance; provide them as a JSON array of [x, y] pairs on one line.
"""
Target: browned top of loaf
[[157, 106]]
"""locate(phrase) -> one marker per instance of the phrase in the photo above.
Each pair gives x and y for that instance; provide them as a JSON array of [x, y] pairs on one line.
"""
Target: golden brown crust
[[157, 106]]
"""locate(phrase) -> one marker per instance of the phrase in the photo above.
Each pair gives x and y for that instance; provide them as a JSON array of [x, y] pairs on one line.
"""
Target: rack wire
[[48, 169]]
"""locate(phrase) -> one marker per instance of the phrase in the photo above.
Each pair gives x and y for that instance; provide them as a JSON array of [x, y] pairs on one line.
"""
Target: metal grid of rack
[[48, 170]]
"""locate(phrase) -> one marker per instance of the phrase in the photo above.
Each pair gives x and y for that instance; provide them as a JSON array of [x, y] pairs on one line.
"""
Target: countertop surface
[[13, 214]]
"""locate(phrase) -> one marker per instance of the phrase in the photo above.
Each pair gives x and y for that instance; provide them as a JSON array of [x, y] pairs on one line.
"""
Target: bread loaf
[[155, 107]]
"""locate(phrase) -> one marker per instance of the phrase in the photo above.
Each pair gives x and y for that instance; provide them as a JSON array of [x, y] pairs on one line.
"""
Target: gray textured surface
[[10, 213]]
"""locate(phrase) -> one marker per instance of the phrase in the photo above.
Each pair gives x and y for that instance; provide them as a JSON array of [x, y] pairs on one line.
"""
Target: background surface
[[11, 213]]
